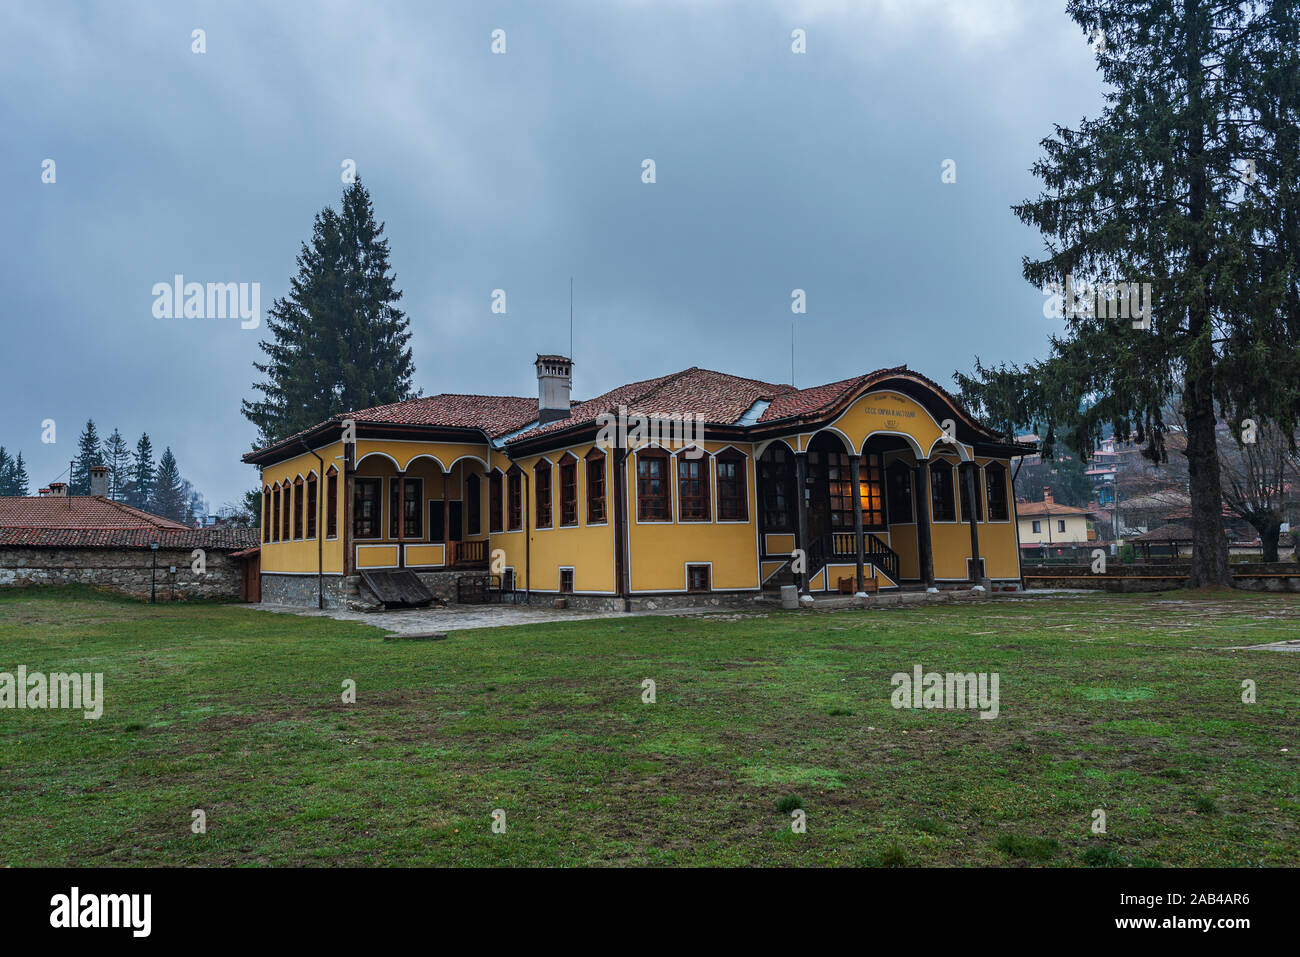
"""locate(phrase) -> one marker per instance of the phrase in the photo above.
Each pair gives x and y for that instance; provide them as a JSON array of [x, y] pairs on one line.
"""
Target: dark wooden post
[[922, 485], [855, 473], [801, 483], [969, 469], [401, 519]]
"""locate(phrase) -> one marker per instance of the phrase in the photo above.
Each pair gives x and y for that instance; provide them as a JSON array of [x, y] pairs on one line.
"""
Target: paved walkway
[[414, 621]]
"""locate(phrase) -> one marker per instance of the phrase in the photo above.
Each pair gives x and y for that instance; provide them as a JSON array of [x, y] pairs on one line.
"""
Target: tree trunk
[[1209, 539], [1268, 537]]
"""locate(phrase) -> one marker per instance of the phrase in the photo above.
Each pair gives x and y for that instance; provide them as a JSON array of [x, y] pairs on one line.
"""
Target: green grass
[[1131, 704]]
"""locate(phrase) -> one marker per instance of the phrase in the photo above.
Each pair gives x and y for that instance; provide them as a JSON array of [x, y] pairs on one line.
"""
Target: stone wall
[[125, 570], [302, 590], [1249, 576]]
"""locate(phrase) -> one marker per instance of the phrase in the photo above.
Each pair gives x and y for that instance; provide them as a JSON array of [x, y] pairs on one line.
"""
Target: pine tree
[[169, 498], [88, 455], [18, 480], [140, 489], [117, 456], [339, 342], [1187, 181], [6, 472]]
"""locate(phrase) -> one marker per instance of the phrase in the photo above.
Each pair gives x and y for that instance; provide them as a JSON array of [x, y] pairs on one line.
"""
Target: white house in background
[[1047, 523]]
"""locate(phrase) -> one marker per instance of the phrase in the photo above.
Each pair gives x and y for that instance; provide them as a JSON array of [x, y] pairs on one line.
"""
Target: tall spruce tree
[[6, 472], [117, 456], [1188, 181], [18, 480], [89, 454], [140, 489], [339, 342], [170, 499]]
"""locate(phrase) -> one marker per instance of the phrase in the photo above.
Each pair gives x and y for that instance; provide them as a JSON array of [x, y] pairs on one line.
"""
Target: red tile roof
[[91, 521], [720, 398], [494, 414]]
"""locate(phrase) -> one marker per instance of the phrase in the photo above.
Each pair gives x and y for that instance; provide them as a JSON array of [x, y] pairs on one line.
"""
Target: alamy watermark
[[38, 691], [179, 299], [1103, 300], [951, 691], [670, 432]]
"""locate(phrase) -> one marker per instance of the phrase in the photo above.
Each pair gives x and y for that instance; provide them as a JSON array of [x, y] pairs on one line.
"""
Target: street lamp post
[[153, 575]]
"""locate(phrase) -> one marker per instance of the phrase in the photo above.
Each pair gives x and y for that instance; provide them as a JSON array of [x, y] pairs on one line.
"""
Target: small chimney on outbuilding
[[554, 380], [99, 480], [1047, 494], [58, 489]]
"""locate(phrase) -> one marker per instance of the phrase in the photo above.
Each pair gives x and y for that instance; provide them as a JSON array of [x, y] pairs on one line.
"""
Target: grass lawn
[[1131, 704]]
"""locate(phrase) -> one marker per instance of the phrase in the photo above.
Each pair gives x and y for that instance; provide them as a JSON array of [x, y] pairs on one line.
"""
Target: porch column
[[801, 492], [855, 473], [921, 482], [401, 519], [969, 469]]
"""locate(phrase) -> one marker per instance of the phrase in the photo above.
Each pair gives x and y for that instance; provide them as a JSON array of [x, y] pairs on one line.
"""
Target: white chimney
[[58, 489], [43, 493], [554, 380], [99, 480]]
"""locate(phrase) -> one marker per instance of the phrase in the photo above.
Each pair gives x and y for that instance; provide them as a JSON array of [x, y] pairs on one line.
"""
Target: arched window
[[776, 480], [652, 495], [496, 522], [733, 495], [995, 487], [542, 489], [515, 505], [286, 492], [693, 486], [332, 503], [266, 513], [943, 502], [312, 505], [596, 487], [569, 490]]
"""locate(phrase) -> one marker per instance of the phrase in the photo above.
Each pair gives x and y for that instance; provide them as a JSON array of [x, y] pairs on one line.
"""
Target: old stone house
[[59, 539]]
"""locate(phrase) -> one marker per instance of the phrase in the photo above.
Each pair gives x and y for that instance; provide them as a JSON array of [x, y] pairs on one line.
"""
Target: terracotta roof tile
[[494, 414], [91, 521]]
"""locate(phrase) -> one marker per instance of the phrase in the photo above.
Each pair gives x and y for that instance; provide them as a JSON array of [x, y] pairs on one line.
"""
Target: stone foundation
[[124, 570]]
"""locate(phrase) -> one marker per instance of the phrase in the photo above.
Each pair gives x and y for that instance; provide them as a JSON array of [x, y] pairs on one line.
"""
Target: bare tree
[[1261, 472]]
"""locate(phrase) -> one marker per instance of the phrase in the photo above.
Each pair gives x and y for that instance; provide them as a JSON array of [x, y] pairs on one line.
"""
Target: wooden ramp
[[397, 588]]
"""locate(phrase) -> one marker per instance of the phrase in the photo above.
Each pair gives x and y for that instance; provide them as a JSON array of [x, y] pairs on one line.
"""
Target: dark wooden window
[[495, 511], [733, 497], [515, 506], [693, 488], [995, 484], [566, 581], [365, 508], [871, 479], [965, 494], [332, 505], [542, 491], [943, 504], [898, 481], [275, 513], [313, 503], [412, 506], [438, 521], [266, 514], [839, 482], [568, 490], [697, 577], [652, 486], [776, 480], [297, 507], [286, 492], [595, 488], [473, 505]]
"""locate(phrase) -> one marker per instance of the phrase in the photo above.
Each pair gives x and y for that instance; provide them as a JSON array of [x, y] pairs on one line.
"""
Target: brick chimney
[[99, 480], [554, 380], [58, 489], [1047, 495]]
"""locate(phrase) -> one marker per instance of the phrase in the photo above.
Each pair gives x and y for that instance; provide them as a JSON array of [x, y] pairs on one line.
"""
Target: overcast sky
[[775, 171]]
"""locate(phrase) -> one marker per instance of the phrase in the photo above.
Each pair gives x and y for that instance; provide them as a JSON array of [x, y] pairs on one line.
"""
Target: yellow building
[[673, 490]]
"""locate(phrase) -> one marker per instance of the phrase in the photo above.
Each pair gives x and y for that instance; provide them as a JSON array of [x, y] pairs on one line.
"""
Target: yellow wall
[[301, 556], [661, 551]]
